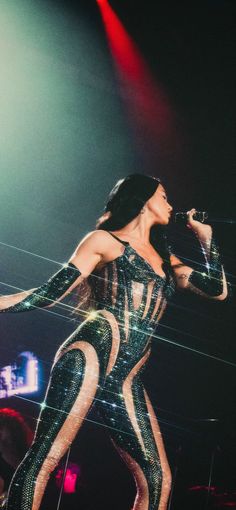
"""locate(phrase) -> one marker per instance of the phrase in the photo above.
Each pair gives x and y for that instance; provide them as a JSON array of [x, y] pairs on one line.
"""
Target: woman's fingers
[[190, 215], [200, 229]]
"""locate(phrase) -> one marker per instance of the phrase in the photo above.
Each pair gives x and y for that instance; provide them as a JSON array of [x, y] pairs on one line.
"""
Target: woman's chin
[[166, 221], [162, 221]]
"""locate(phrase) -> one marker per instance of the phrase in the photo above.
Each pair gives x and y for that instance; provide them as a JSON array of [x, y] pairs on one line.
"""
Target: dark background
[[65, 139]]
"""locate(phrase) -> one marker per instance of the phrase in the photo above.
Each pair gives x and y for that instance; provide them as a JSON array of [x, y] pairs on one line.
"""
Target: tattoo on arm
[[183, 276]]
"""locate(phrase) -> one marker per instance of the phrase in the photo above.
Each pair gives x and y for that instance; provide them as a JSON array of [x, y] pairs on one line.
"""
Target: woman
[[132, 274]]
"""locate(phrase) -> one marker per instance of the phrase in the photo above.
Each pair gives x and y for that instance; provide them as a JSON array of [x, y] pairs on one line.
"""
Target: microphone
[[182, 217]]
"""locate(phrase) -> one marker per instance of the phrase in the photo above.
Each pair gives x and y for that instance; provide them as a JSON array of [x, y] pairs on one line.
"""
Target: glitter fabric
[[49, 292], [102, 361], [210, 282]]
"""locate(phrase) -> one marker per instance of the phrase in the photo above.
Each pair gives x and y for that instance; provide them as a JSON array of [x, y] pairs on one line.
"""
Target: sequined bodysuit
[[102, 361]]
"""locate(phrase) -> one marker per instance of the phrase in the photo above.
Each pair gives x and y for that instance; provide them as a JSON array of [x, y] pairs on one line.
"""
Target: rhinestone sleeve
[[49, 292], [210, 281]]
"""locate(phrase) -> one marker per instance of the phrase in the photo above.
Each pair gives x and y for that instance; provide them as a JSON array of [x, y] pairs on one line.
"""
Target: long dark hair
[[125, 202]]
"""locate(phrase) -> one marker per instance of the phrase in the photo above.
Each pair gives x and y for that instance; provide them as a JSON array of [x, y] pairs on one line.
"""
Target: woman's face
[[159, 206]]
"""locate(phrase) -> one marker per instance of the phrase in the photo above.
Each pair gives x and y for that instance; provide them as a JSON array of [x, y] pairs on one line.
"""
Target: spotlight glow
[[147, 103]]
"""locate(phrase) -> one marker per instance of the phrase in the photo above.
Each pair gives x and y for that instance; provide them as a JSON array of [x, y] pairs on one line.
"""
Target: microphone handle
[[182, 216]]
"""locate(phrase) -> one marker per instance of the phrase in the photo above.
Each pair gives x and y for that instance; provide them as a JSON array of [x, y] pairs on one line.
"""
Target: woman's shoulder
[[98, 234], [104, 243], [99, 238]]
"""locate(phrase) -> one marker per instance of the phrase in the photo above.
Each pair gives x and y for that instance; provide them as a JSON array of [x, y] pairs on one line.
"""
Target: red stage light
[[71, 477], [147, 104]]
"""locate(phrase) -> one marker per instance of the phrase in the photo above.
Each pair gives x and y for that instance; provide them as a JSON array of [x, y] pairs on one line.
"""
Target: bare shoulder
[[92, 250], [98, 240], [103, 244], [97, 248]]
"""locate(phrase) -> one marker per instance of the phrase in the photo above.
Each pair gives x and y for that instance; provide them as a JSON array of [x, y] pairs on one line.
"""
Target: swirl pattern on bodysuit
[[102, 361]]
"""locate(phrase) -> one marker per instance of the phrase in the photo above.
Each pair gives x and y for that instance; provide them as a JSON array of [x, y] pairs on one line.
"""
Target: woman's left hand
[[202, 231]]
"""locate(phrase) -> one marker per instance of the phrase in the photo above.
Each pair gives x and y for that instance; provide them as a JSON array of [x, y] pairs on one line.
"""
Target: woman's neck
[[137, 230]]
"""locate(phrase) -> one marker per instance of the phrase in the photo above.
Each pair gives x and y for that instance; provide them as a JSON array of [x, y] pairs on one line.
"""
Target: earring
[[143, 210]]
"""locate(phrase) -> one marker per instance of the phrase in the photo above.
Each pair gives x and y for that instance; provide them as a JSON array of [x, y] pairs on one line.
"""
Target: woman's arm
[[210, 282], [83, 261], [13, 299]]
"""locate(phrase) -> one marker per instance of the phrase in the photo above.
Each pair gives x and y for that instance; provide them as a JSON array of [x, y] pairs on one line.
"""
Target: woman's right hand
[[13, 299]]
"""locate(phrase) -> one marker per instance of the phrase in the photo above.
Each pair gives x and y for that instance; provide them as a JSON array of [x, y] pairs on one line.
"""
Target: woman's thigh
[[135, 433], [74, 383]]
